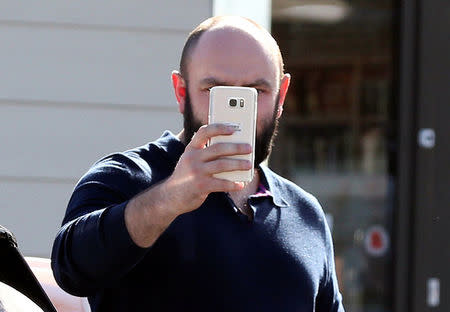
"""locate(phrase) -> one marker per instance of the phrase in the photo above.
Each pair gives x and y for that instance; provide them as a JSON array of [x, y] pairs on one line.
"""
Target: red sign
[[376, 241]]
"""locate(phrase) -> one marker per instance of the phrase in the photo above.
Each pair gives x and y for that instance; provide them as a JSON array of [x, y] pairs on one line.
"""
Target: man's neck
[[180, 136], [240, 197]]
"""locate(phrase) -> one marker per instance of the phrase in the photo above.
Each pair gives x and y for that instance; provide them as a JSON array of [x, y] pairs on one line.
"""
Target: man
[[151, 229]]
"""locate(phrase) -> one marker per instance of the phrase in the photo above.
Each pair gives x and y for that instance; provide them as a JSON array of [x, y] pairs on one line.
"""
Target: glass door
[[335, 137]]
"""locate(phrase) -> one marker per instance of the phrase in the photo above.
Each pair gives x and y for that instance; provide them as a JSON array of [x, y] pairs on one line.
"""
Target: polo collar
[[274, 186]]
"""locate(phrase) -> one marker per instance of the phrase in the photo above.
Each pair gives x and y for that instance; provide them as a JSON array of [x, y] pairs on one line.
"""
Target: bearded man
[[152, 229]]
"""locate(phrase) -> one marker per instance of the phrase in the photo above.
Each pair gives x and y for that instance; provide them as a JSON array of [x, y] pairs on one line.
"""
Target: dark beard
[[190, 123], [264, 140]]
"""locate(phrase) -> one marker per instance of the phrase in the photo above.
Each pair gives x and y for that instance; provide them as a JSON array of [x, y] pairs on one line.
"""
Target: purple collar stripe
[[262, 191]]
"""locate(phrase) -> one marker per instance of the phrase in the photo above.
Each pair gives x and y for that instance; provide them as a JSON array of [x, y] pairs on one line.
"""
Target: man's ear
[[284, 86], [179, 87]]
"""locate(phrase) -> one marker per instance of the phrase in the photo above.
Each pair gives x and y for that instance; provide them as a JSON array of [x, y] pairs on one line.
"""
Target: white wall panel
[[57, 64], [170, 14], [33, 212], [79, 81], [62, 142]]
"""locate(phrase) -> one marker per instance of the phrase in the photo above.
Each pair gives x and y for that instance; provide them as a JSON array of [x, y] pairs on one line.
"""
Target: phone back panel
[[243, 115]]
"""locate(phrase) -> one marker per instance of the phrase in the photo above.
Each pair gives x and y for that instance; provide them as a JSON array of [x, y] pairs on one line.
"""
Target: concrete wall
[[78, 81]]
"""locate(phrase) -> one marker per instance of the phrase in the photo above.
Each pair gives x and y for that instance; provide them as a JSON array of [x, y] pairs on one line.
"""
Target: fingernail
[[232, 126]]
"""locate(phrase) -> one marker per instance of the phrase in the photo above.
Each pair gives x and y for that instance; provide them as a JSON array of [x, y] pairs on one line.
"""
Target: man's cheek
[[201, 110]]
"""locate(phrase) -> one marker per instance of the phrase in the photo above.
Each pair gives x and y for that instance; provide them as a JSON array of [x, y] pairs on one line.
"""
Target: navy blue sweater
[[211, 259]]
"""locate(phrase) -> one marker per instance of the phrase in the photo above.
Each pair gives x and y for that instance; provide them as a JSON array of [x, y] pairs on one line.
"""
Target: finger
[[219, 150], [206, 132], [226, 164], [221, 185]]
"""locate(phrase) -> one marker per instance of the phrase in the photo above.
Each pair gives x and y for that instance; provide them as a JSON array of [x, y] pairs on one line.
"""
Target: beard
[[264, 138]]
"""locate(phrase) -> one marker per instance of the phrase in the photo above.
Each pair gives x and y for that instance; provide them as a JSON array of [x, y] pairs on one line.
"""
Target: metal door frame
[[422, 218], [405, 22]]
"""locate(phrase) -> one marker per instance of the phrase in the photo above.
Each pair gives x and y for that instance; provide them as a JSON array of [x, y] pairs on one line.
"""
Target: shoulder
[[302, 203], [131, 161], [288, 190], [132, 170], [123, 173]]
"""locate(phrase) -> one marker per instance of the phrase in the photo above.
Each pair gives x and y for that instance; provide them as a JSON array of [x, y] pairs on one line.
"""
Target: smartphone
[[236, 106]]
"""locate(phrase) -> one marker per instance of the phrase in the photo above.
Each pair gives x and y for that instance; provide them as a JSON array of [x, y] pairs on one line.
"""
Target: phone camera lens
[[233, 102]]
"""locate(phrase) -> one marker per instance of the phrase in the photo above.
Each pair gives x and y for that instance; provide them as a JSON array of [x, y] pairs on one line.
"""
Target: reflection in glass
[[335, 134]]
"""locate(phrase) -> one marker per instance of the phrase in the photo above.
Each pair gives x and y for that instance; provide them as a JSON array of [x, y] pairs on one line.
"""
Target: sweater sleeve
[[330, 298], [93, 248]]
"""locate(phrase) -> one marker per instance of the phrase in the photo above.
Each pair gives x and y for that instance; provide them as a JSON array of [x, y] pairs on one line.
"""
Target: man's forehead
[[241, 81], [232, 51]]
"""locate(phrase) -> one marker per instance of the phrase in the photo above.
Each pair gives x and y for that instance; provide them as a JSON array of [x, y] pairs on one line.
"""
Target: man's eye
[[260, 91]]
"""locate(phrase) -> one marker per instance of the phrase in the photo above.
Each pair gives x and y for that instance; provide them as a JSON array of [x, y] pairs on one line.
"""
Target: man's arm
[[330, 298], [109, 237], [150, 213]]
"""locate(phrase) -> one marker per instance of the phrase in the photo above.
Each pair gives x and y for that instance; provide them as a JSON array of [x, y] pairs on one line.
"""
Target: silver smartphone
[[236, 106]]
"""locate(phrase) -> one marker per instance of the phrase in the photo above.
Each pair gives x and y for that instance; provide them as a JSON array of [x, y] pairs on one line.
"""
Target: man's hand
[[150, 213], [193, 179]]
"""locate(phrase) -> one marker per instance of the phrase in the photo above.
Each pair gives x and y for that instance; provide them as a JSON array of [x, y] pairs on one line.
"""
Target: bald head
[[231, 51], [219, 27]]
